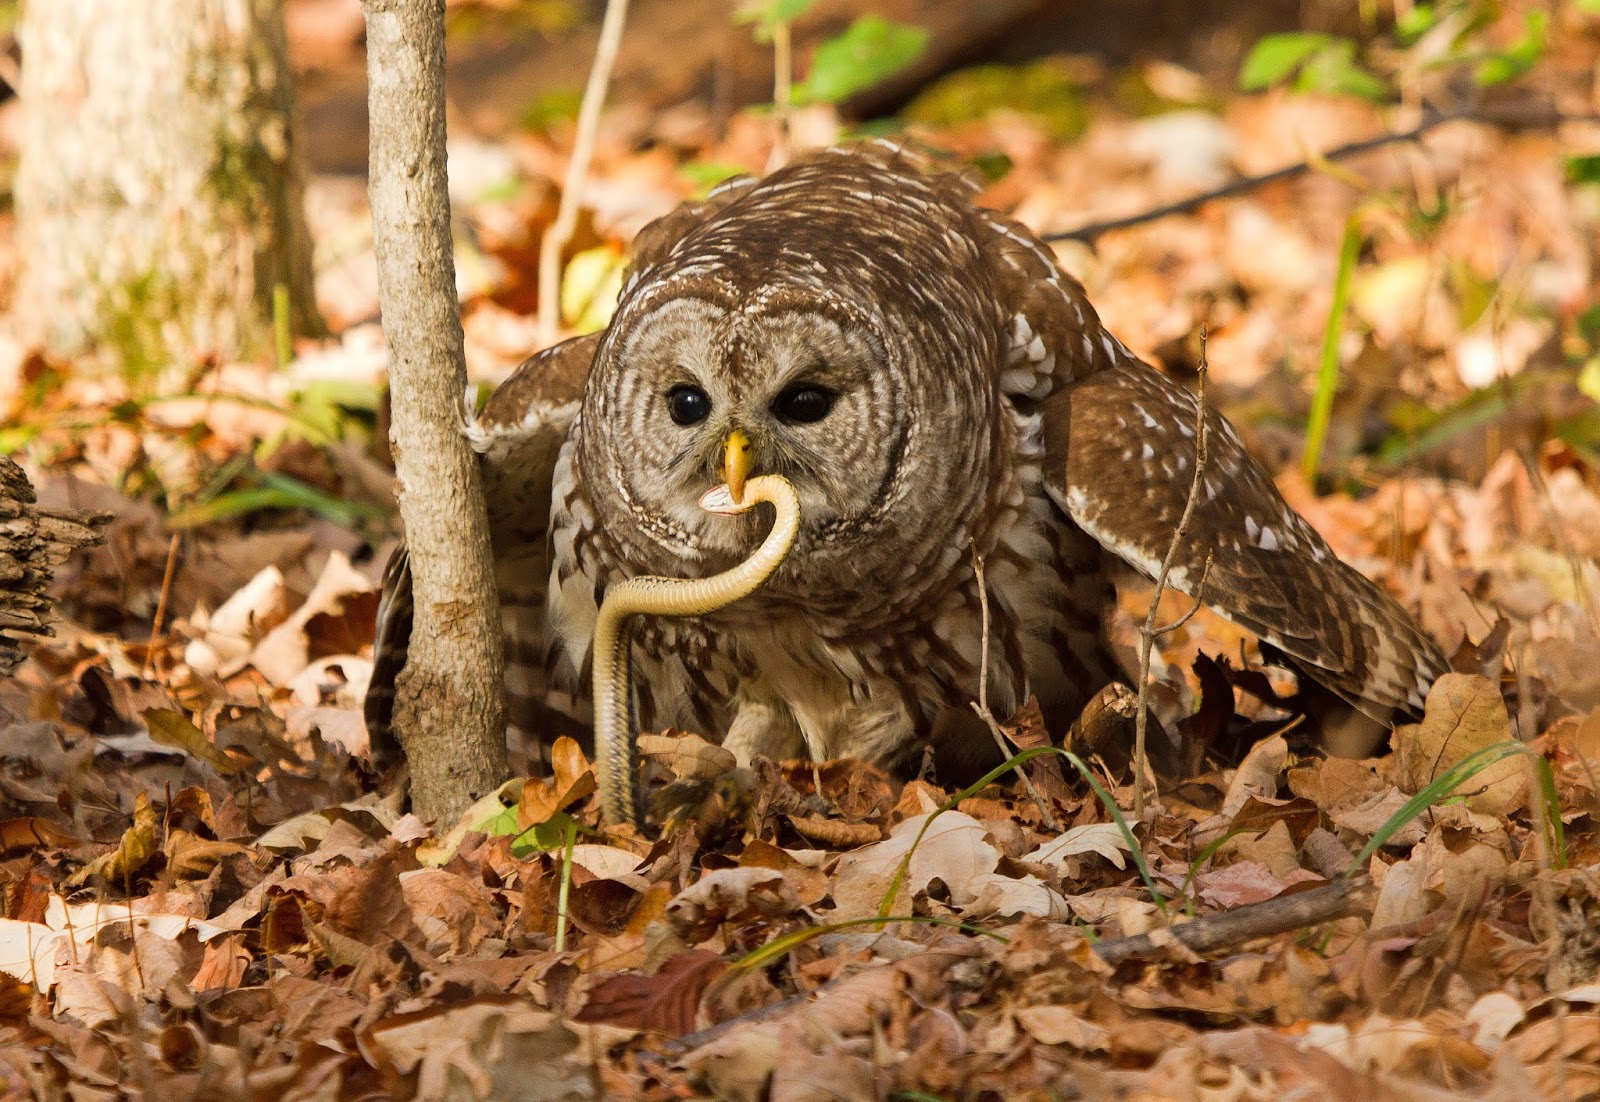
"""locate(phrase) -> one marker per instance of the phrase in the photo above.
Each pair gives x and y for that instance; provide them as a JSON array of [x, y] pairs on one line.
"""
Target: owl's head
[[837, 319]]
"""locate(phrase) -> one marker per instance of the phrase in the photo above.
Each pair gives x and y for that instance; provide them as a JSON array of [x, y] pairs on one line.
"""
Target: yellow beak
[[736, 464]]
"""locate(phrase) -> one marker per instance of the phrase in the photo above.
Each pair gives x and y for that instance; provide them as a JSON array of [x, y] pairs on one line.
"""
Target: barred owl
[[933, 384]]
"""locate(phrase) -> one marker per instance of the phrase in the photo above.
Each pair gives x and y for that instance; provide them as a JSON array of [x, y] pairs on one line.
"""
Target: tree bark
[[33, 542], [449, 710], [159, 190]]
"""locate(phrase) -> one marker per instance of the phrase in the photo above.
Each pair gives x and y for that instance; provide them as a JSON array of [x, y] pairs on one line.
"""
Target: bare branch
[[982, 704], [559, 232], [782, 105], [1544, 119], [1148, 634], [1277, 915]]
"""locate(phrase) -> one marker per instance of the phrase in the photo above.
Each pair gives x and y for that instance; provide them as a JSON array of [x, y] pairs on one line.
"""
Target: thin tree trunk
[[159, 191], [449, 711]]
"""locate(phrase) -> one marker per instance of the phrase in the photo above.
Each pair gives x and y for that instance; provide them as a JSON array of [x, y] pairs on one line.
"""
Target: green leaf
[[705, 175], [1589, 325], [1524, 55], [767, 14], [1589, 379], [1584, 168], [1277, 56], [1043, 89], [1415, 23], [870, 50], [1334, 70], [503, 823], [555, 106], [275, 491]]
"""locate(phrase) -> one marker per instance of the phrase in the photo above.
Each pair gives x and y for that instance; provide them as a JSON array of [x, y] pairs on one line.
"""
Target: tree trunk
[[33, 542], [159, 189], [449, 711]]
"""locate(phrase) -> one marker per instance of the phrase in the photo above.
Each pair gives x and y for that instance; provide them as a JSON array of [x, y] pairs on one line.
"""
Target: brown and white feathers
[[932, 383]]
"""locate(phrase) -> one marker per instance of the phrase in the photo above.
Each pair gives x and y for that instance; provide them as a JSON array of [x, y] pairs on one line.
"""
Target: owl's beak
[[736, 464]]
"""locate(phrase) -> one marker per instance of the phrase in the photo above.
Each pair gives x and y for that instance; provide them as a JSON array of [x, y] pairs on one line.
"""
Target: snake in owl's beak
[[736, 464]]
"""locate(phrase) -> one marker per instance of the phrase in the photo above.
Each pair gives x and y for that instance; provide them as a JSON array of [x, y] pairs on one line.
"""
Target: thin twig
[[982, 704], [559, 232], [1277, 915], [1148, 634], [1432, 120], [149, 670], [782, 100]]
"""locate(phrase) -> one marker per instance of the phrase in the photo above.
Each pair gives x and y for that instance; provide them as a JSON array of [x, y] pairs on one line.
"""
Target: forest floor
[[201, 897]]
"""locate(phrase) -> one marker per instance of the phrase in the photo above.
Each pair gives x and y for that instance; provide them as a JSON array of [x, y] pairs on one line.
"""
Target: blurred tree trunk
[[449, 709], [159, 192]]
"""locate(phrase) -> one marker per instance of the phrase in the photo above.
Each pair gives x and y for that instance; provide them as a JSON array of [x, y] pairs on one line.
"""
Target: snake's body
[[657, 596]]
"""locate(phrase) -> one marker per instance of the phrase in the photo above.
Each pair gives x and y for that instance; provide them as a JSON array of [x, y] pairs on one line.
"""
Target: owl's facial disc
[[722, 389]]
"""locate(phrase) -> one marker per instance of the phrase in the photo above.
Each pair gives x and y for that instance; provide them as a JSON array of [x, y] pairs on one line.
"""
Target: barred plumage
[[932, 383]]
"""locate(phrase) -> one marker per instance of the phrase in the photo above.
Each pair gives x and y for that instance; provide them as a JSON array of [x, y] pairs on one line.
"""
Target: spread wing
[[1120, 460], [518, 434]]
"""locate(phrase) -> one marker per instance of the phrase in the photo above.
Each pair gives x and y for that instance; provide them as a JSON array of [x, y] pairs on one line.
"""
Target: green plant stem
[[569, 838], [1328, 367]]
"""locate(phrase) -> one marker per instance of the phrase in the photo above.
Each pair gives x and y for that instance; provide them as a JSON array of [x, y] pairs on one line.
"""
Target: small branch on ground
[[1277, 915], [981, 706], [559, 232], [1544, 118], [449, 710], [1148, 634]]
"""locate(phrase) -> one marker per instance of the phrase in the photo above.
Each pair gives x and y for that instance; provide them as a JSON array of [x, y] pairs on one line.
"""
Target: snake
[[650, 595]]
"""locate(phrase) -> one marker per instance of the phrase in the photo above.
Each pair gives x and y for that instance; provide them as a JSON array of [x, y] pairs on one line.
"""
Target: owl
[[939, 392]]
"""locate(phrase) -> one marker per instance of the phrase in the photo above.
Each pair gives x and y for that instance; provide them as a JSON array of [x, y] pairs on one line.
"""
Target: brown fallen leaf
[[666, 1002], [31, 832], [572, 780], [173, 729], [729, 895], [1465, 714], [117, 869]]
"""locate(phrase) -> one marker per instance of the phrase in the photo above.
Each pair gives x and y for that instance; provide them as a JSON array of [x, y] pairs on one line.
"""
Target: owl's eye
[[688, 405], [805, 403]]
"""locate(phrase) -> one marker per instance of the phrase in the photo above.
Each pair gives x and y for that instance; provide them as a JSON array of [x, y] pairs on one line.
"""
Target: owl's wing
[[1120, 460], [518, 434]]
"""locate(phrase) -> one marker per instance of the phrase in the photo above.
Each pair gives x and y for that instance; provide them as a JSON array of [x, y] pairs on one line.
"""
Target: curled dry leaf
[[956, 849], [572, 781], [1465, 714], [1257, 776], [666, 1002], [224, 638], [493, 1048], [688, 756], [342, 592], [1057, 1025], [994, 894], [171, 728], [1105, 839], [117, 869], [729, 895]]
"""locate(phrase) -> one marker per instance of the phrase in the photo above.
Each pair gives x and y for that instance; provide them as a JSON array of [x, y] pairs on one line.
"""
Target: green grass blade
[[778, 946], [897, 881], [1437, 789], [1555, 832], [1328, 368]]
